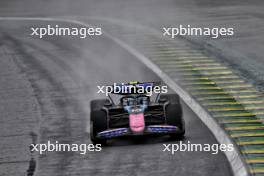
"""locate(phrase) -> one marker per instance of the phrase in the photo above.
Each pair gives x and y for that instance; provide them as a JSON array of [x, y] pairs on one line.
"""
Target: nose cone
[[137, 122]]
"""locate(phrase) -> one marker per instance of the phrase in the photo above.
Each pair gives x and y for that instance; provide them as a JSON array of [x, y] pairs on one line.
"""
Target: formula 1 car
[[136, 114]]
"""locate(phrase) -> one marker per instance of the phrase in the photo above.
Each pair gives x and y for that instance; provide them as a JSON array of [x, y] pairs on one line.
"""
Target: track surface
[[244, 51], [51, 81], [62, 74]]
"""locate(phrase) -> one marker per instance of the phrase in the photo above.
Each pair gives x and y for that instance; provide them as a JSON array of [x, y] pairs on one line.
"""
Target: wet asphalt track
[[46, 85], [63, 73], [243, 52]]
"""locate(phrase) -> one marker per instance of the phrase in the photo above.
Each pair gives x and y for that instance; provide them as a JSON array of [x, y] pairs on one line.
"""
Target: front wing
[[151, 129]]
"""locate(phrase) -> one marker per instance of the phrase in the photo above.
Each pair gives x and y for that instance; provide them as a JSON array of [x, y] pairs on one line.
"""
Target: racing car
[[136, 114]]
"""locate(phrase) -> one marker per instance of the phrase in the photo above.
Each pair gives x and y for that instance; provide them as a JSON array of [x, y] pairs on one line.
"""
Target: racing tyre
[[98, 121], [173, 113]]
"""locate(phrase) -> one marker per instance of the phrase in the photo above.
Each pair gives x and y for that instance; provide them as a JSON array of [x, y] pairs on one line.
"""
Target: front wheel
[[173, 112], [98, 121], [93, 133]]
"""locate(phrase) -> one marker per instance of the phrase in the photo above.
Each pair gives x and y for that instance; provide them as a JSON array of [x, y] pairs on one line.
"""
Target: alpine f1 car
[[136, 114]]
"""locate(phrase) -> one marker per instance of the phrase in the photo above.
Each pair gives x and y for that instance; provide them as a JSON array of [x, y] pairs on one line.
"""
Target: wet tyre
[[173, 112], [98, 120]]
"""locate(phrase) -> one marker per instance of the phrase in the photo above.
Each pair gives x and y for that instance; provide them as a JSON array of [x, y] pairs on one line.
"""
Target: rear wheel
[[98, 121], [173, 113]]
